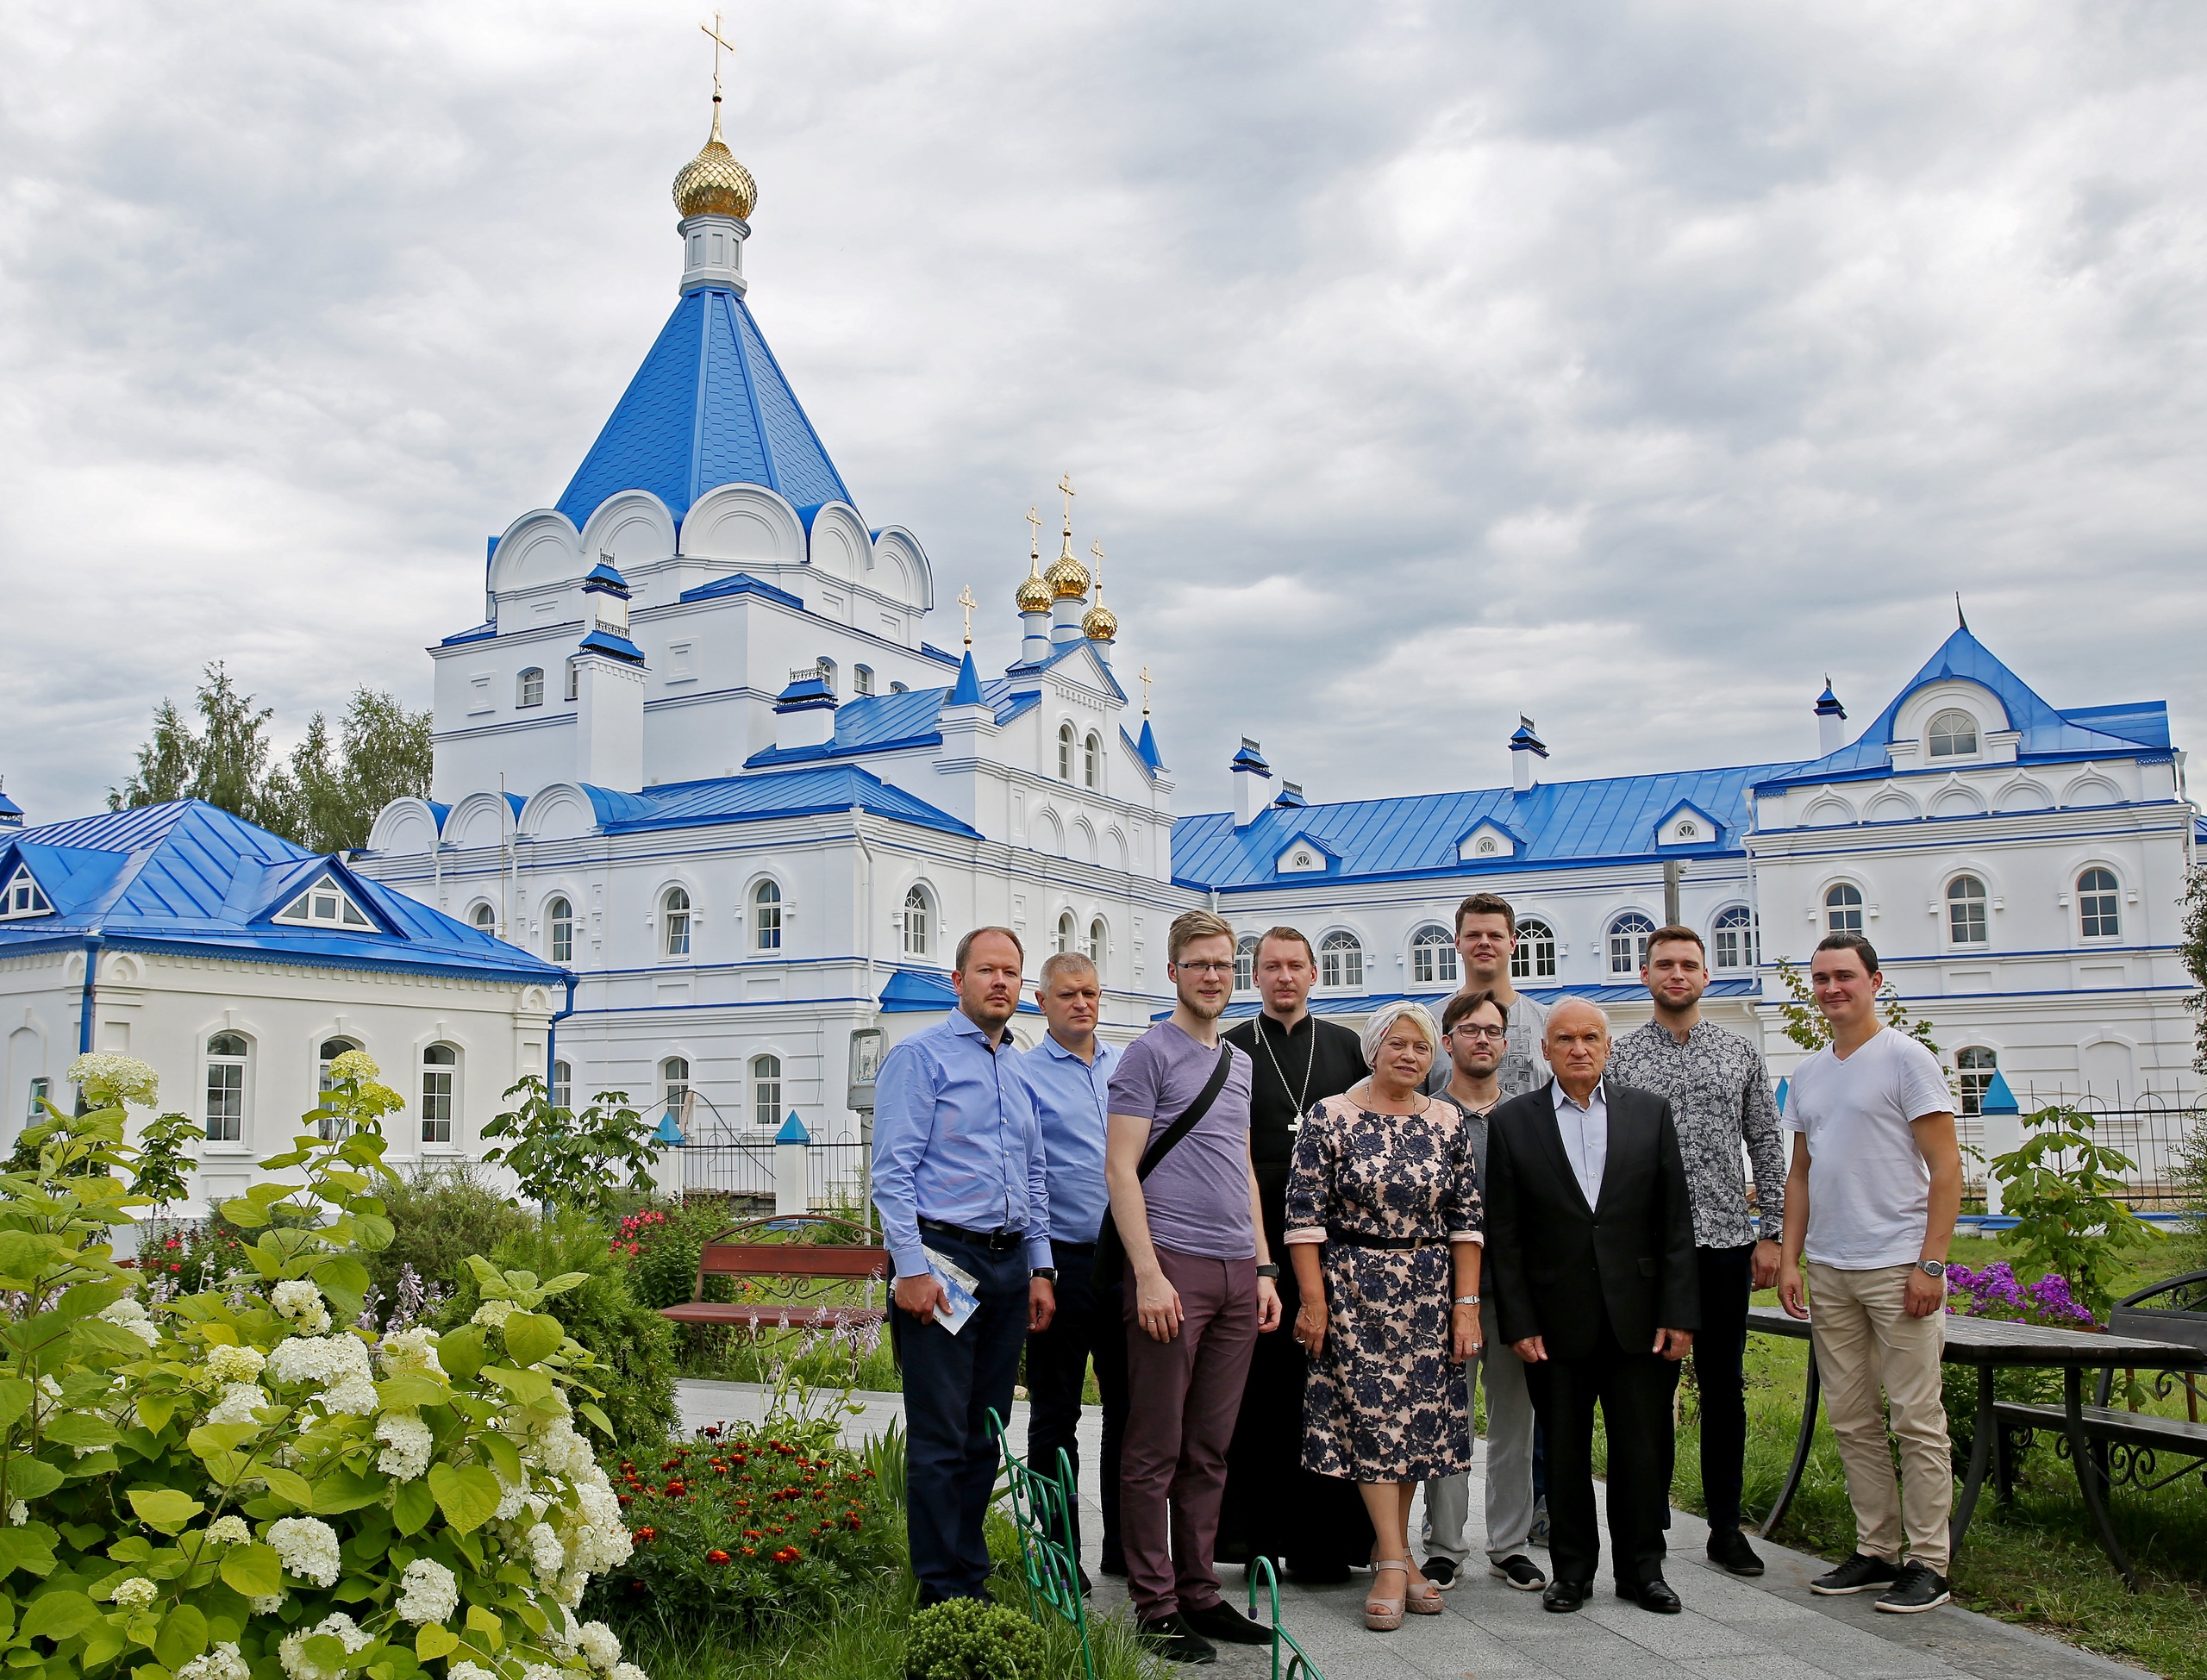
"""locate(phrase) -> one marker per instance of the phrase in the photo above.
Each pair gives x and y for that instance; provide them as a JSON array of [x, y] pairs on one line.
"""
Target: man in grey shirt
[[1719, 1092], [1486, 939]]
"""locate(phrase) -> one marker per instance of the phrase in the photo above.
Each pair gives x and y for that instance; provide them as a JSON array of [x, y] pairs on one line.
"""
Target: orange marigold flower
[[643, 1536], [788, 1554], [716, 1556]]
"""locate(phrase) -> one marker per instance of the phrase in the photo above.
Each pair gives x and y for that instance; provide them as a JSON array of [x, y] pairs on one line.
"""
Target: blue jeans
[[951, 1384]]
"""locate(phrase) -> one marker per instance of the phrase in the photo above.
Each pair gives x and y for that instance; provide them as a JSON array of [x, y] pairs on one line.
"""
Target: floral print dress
[[1384, 1401]]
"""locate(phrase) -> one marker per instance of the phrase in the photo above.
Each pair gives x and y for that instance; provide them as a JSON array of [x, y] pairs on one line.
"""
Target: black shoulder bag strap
[[1111, 1252]]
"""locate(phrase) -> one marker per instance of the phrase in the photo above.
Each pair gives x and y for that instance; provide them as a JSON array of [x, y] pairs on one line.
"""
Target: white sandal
[[1384, 1615]]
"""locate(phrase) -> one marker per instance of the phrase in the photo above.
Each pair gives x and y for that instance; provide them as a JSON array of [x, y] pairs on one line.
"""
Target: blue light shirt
[[955, 1139], [1070, 1106]]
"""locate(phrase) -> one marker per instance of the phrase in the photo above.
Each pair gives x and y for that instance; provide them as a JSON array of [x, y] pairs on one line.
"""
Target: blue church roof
[[810, 791], [709, 406], [190, 875], [883, 722]]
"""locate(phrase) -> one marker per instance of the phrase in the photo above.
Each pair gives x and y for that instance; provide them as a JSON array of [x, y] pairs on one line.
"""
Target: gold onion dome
[[1068, 578], [1100, 623], [1033, 595], [713, 183]]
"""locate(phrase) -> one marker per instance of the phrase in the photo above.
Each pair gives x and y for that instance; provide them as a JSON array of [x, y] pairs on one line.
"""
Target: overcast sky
[[1630, 365]]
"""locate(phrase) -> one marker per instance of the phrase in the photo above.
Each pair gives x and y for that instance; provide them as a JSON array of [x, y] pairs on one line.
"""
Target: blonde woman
[[1384, 1225]]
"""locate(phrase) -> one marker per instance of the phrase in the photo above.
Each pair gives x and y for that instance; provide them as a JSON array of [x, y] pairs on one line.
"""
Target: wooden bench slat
[[792, 1260], [2111, 1423], [756, 1313]]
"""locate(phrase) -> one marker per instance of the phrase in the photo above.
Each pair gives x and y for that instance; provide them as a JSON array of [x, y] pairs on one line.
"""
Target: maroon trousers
[[1183, 1398]]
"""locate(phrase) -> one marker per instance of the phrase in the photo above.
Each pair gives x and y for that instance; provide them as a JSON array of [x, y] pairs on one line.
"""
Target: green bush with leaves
[[636, 1345], [2064, 1187], [962, 1639], [226, 1486], [440, 1215], [573, 1158]]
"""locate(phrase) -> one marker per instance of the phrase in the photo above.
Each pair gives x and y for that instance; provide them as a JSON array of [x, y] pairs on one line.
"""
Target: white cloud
[[1417, 365]]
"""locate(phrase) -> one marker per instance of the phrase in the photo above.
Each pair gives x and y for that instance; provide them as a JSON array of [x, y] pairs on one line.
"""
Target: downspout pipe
[[93, 942], [552, 1038]]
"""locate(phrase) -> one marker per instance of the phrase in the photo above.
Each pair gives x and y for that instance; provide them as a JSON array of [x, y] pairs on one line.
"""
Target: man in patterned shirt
[[1719, 1092]]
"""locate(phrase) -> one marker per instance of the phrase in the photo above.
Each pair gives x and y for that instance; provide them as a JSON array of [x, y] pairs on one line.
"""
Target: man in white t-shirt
[[1870, 1202]]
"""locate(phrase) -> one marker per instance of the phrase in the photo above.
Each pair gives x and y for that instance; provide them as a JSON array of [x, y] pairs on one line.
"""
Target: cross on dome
[[713, 183]]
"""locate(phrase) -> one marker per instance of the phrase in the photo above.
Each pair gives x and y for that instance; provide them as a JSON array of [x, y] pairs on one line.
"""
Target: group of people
[[1290, 1252]]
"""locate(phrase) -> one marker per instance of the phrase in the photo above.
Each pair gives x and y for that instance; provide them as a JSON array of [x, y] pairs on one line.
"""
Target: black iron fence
[[836, 1175], [2151, 1129]]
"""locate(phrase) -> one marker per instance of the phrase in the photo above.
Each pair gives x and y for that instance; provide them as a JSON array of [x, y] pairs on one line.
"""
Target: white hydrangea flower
[[293, 1652], [232, 1530], [266, 1604], [568, 1591], [546, 1555], [236, 1364], [493, 1313], [352, 1393], [600, 1646], [237, 1403], [298, 1300], [601, 1538], [108, 1078], [19, 1512], [135, 1593], [132, 1315], [412, 1351], [222, 1663], [352, 1065], [628, 1671], [509, 1505], [546, 1671], [323, 1359], [469, 1671], [307, 1547], [561, 1450], [428, 1592], [407, 1443]]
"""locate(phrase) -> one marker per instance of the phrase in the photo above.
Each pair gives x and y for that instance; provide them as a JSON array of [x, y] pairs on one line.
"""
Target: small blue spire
[[1148, 747], [1249, 758], [1828, 702], [1525, 740], [603, 579], [668, 1131], [1998, 1099], [792, 1131], [808, 692], [968, 691]]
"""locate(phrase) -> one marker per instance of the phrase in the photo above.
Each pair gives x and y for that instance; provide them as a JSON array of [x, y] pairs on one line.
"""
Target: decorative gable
[[1687, 824], [1303, 856], [22, 896], [325, 904], [1487, 843]]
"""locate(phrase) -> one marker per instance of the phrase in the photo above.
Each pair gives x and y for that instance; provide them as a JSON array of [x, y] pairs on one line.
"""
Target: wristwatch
[[1932, 1268], [1268, 1269], [1047, 1274]]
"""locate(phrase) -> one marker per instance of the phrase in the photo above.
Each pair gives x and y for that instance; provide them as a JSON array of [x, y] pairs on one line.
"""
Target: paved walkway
[[1770, 1629]]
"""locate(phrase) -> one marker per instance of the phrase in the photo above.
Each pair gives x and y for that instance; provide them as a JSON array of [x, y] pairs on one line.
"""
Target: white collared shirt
[[1585, 1133]]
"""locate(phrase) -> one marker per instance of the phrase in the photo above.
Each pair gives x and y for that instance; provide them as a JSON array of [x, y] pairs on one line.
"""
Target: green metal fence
[[1041, 1513], [1299, 1666]]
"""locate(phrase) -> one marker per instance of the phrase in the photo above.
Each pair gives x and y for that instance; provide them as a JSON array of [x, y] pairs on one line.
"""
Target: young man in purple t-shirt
[[1199, 1290]]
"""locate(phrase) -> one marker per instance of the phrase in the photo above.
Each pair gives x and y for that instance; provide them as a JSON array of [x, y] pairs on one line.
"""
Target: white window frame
[[1973, 1077], [559, 927], [1340, 961], [918, 912], [1858, 908], [1952, 900], [1946, 716], [562, 1091], [1091, 761], [764, 1073], [675, 1082], [529, 688], [1534, 958], [2113, 895], [767, 905], [325, 903], [1064, 933], [1245, 963], [1736, 925], [1630, 928], [440, 1108], [1068, 740], [1434, 958], [676, 924], [239, 1063], [23, 897]]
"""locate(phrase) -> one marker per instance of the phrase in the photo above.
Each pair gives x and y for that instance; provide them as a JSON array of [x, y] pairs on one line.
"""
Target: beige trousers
[[1864, 1340]]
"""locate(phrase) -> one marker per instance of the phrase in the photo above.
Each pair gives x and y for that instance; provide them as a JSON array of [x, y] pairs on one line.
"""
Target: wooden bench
[[2125, 1446], [788, 1285]]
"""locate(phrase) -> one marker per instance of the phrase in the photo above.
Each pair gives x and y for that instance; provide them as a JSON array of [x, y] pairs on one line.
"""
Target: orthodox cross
[[1096, 549], [713, 29], [1034, 537], [1145, 690], [1065, 484], [966, 600]]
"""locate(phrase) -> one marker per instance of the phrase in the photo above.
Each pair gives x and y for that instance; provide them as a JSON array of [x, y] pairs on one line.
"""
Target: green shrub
[[962, 1639], [440, 1215], [602, 1314]]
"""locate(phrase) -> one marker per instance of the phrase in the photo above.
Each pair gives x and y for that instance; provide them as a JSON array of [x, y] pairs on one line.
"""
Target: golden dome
[[713, 183], [1033, 595], [1100, 623], [1068, 578]]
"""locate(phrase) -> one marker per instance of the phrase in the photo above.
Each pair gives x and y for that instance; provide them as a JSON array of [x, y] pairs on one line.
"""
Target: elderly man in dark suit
[[1591, 1255]]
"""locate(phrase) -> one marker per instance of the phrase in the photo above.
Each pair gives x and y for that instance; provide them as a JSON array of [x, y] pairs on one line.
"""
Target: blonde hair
[[1383, 1021], [1192, 925]]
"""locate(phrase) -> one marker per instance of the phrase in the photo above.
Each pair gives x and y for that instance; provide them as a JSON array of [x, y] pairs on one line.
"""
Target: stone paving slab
[[1731, 1629]]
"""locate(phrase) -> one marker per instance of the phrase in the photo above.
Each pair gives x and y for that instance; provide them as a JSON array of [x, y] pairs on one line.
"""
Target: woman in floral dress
[[1382, 1224]]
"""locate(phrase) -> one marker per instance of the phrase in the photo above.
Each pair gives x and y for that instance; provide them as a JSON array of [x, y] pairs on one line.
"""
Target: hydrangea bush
[[241, 1483]]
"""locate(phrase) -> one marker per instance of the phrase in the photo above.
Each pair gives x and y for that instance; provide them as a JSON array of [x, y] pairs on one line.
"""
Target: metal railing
[[837, 1177], [730, 1169], [2148, 1127]]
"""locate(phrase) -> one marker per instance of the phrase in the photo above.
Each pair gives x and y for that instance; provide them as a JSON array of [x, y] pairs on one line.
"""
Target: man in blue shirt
[[1069, 1074], [959, 1172]]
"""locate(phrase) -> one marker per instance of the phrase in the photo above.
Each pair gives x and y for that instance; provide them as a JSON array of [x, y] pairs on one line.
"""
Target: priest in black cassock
[[1273, 1507]]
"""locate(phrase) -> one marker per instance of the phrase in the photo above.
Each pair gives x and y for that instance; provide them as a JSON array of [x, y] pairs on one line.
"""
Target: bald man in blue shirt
[[959, 1168]]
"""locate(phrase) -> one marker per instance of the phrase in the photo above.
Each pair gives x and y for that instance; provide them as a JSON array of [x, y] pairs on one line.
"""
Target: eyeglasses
[[1205, 968], [1498, 1034]]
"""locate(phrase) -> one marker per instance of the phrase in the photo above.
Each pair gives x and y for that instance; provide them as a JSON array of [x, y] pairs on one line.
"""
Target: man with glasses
[[1719, 1092], [1273, 1507]]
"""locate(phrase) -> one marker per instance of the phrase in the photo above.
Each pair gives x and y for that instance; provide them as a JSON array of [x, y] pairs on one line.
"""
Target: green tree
[[2067, 1190], [167, 763], [573, 1160], [1806, 1026], [2192, 947]]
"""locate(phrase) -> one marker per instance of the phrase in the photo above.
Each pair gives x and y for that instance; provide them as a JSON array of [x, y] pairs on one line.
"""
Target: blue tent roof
[[806, 792], [1560, 822], [190, 875], [882, 722], [708, 407]]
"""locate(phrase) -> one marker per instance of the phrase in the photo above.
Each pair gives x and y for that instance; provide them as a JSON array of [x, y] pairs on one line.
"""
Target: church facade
[[700, 754]]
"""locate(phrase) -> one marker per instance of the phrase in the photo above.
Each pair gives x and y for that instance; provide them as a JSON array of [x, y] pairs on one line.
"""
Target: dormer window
[[324, 904], [1951, 735], [22, 897]]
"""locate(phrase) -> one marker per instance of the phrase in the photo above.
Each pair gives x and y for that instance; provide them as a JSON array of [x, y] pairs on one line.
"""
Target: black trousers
[[1632, 1388], [951, 1384], [1727, 1283], [1088, 1325]]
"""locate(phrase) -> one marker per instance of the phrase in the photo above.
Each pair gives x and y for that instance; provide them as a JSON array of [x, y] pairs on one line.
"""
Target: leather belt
[[1366, 1239], [997, 1242]]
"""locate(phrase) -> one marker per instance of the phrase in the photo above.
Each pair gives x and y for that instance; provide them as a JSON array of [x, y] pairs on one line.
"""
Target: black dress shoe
[[1655, 1595], [1113, 1562], [1173, 1639], [1564, 1596], [1222, 1622], [1730, 1550]]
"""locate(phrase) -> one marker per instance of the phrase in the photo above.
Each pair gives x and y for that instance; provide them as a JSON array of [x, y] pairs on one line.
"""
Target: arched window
[[1091, 761], [766, 916], [563, 1085], [1065, 751], [226, 1058], [485, 918], [826, 672], [766, 1089], [898, 688], [674, 906], [1535, 957], [1628, 943], [560, 923], [1341, 960], [330, 1128], [1245, 963], [1843, 909], [574, 678], [1099, 941], [861, 679], [439, 1095], [2097, 916], [1966, 910], [1433, 958], [1065, 937], [1976, 1066], [41, 1088], [1951, 735], [674, 1084], [917, 915], [529, 687], [1738, 945]]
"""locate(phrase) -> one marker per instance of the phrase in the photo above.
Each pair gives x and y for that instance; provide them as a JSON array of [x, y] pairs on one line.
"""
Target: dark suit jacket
[[1554, 1262]]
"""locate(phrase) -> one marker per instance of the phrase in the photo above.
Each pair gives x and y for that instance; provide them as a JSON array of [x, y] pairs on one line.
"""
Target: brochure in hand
[[958, 1285]]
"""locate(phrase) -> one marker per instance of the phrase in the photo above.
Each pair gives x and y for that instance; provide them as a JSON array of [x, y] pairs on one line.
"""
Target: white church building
[[700, 754]]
